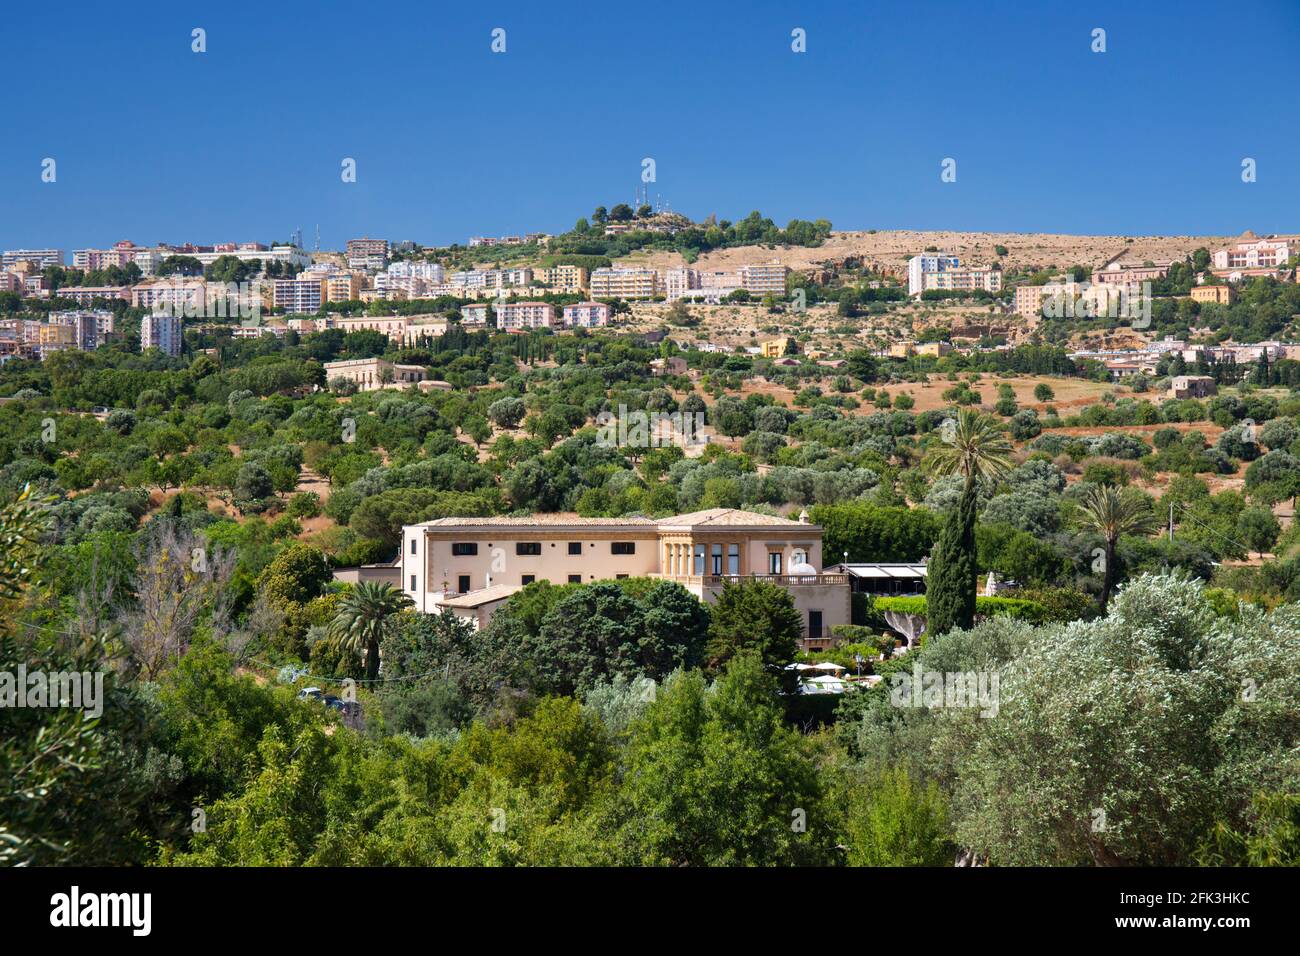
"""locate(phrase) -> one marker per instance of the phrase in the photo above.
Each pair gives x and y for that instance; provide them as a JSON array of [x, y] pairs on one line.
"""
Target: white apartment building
[[247, 252], [40, 257], [413, 287], [927, 263], [162, 332], [473, 279], [763, 280], [616, 283], [431, 272], [474, 314], [305, 294], [525, 315], [586, 315], [940, 271]]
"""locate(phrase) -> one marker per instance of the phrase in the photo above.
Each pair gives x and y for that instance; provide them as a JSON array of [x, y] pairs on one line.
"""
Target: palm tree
[[974, 447], [365, 617], [1111, 514]]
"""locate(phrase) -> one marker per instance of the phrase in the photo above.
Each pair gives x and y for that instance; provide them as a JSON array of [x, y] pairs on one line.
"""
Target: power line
[[1187, 510]]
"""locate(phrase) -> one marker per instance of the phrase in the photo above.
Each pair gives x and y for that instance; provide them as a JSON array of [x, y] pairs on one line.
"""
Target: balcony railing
[[784, 580]]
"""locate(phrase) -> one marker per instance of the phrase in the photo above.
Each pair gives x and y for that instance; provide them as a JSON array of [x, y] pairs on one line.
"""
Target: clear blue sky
[[244, 142]]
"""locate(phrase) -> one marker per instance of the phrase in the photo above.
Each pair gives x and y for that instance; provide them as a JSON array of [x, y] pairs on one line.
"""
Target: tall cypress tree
[[950, 591], [974, 447]]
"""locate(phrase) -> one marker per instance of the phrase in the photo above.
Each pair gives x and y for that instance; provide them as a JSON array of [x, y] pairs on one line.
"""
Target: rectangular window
[[528, 547], [575, 578], [715, 566], [774, 562], [733, 559], [699, 560], [622, 547], [412, 582], [460, 549], [620, 576], [413, 540], [462, 583], [527, 579], [575, 547]]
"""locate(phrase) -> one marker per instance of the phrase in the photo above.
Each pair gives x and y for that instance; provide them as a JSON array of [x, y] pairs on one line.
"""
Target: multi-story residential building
[[87, 294], [1253, 256], [474, 314], [473, 279], [121, 254], [367, 247], [964, 278], [431, 272], [679, 282], [1130, 273], [345, 286], [90, 329], [394, 286], [56, 338], [244, 252], [525, 315], [586, 315], [764, 280], [373, 373], [623, 283], [149, 260], [563, 278], [1072, 298], [304, 294], [470, 565], [1029, 299], [1222, 294], [178, 295], [927, 263], [162, 332], [40, 257], [725, 281]]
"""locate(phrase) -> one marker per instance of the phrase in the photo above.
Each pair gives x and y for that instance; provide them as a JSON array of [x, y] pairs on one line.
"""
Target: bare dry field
[[888, 250], [1071, 393]]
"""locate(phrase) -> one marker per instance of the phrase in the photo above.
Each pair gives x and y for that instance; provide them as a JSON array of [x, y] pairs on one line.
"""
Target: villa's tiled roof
[[710, 518], [729, 518], [556, 519]]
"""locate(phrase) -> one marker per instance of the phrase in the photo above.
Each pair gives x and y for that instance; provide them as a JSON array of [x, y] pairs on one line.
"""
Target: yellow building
[[775, 348], [933, 348], [566, 278], [1222, 294]]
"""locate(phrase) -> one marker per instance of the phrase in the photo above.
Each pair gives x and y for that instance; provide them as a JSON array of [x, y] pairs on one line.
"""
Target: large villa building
[[470, 566]]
